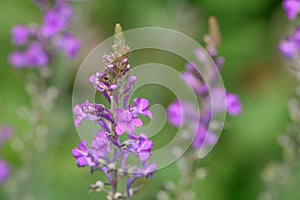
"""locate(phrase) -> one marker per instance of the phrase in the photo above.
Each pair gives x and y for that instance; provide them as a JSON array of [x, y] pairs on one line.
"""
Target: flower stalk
[[117, 139]]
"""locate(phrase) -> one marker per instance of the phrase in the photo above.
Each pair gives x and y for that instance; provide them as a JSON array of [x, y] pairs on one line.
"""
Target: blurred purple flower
[[292, 8], [70, 45], [17, 59], [4, 171], [203, 137], [175, 116], [36, 56], [20, 35], [233, 104], [288, 48], [212, 102], [43, 42], [53, 24]]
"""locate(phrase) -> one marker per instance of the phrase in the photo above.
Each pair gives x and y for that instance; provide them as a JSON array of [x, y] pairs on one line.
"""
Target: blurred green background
[[254, 69]]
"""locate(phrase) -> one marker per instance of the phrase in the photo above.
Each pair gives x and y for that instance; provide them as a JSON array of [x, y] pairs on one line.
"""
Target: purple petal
[[128, 186], [137, 122], [233, 104], [82, 162], [103, 125], [144, 156], [119, 131]]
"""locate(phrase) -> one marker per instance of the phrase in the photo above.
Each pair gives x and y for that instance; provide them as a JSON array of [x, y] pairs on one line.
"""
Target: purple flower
[[175, 116], [81, 155], [100, 145], [20, 35], [203, 137], [65, 10], [233, 105], [70, 45], [92, 112], [144, 148], [194, 82], [84, 111], [100, 81], [5, 133], [4, 172], [292, 8], [141, 107], [36, 56], [288, 48], [126, 122], [17, 59], [53, 23]]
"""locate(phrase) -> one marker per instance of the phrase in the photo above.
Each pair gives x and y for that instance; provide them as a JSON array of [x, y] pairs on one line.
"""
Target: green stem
[[114, 150]]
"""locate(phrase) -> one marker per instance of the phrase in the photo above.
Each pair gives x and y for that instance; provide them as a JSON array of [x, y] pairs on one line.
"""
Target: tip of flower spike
[[214, 31], [118, 28]]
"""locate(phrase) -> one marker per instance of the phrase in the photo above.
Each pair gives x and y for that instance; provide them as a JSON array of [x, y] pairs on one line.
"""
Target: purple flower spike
[[126, 122], [174, 114], [20, 35], [4, 172], [141, 106], [100, 145], [233, 104], [81, 155], [292, 8]]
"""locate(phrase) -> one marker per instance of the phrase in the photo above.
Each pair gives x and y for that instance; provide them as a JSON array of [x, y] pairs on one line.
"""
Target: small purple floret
[[126, 121], [233, 104], [20, 35], [81, 155], [100, 145], [141, 107]]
